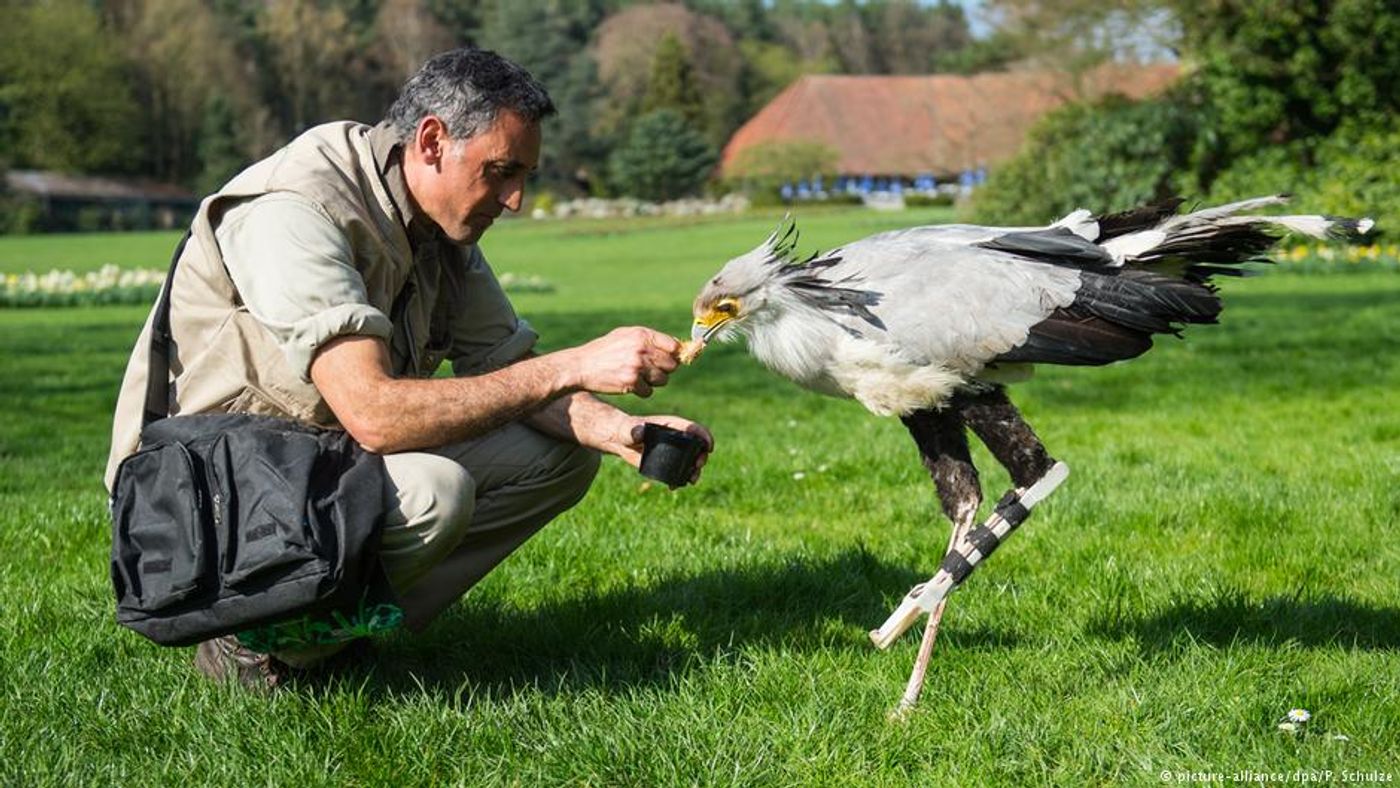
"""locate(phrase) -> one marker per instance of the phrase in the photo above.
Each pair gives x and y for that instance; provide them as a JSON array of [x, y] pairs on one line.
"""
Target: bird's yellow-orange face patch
[[710, 316]]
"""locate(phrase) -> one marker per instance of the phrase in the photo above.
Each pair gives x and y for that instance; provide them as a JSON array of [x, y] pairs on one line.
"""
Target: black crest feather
[[801, 276]]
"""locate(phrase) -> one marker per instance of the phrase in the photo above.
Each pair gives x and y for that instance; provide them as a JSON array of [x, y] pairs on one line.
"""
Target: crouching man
[[329, 281]]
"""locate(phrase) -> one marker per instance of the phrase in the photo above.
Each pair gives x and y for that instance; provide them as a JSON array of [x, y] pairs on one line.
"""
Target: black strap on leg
[[983, 539], [957, 566], [1009, 508]]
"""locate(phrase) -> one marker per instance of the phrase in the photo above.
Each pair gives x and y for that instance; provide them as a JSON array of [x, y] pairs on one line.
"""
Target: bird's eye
[[725, 307]]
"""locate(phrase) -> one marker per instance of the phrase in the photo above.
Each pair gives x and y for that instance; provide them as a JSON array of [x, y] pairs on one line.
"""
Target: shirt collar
[[388, 158]]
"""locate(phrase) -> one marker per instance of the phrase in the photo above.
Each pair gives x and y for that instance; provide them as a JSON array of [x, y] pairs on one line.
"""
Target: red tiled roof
[[939, 124]]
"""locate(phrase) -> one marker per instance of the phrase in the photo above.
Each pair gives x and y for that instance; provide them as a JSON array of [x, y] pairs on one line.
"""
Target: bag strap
[[158, 368]]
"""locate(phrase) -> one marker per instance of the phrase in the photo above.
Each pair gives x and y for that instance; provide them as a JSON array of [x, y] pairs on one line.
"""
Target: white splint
[[975, 545]]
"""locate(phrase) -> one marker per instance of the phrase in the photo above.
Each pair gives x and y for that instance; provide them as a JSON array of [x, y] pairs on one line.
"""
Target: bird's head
[[746, 288]]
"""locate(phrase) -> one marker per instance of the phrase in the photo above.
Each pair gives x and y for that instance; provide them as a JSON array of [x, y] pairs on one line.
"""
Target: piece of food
[[690, 350]]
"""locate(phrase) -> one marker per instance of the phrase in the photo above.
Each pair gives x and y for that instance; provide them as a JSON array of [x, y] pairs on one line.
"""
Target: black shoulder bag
[[229, 523]]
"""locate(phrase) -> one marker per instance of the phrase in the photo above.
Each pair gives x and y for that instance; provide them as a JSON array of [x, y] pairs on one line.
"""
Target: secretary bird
[[930, 323]]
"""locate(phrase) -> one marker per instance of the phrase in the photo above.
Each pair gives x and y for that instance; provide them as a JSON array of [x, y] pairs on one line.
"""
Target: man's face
[[463, 185]]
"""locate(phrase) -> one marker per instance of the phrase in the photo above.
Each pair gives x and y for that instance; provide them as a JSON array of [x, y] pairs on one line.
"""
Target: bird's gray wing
[[943, 301]]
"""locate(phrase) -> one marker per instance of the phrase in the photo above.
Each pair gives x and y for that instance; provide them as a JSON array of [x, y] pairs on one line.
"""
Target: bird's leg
[[942, 443], [943, 447], [935, 616], [1005, 433]]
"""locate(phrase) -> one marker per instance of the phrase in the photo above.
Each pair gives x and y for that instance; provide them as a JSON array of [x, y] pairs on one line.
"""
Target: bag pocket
[[261, 479], [164, 540]]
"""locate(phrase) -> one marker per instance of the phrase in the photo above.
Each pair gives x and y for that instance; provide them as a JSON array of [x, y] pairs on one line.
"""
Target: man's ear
[[431, 140]]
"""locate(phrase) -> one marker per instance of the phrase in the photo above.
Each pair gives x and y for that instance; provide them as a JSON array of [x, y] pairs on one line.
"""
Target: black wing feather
[[1058, 245], [1113, 317]]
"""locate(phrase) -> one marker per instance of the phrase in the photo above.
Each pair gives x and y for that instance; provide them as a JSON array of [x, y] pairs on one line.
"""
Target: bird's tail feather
[[1211, 241], [1157, 280]]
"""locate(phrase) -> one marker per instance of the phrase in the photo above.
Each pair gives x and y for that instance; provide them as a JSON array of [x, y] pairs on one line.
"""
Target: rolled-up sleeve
[[486, 333], [295, 273]]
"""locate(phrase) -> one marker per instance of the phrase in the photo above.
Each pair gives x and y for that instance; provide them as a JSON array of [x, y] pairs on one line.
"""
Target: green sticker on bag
[[323, 629]]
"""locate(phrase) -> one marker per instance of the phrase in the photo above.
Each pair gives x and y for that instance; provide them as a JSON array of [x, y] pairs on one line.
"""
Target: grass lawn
[[1224, 550]]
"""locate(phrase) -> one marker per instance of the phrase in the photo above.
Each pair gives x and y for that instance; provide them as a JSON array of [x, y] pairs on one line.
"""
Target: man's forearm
[[579, 417], [390, 415]]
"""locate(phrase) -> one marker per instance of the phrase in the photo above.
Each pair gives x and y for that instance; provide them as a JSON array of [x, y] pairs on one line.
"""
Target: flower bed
[[107, 285], [113, 285], [1321, 258]]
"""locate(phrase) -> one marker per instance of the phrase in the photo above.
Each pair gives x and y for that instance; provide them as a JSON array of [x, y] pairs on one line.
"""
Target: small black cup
[[668, 455]]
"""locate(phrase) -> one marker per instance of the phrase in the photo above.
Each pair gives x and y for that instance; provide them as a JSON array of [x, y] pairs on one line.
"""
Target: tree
[[1280, 72], [1109, 155], [550, 39], [408, 33], [911, 38], [64, 100], [769, 68], [461, 19], [1073, 36], [672, 85], [219, 157], [810, 38], [853, 44], [625, 47], [184, 56], [662, 159], [318, 64]]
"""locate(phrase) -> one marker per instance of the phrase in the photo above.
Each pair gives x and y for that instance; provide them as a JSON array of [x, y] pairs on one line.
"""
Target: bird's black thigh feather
[[942, 444], [1006, 434]]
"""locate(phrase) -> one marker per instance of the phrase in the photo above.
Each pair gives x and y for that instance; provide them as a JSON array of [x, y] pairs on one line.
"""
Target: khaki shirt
[[320, 240]]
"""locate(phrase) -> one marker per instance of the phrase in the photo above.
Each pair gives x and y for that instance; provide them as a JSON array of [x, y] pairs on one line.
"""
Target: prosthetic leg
[[943, 445]]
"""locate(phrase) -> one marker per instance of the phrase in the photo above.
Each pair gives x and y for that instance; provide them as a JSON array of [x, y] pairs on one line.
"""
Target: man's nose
[[513, 196]]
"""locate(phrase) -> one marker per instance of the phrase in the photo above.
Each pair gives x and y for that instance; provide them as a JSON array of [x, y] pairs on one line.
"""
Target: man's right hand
[[631, 360]]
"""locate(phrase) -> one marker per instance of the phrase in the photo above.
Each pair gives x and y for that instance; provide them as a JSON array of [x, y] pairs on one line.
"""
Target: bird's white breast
[[887, 384], [810, 349]]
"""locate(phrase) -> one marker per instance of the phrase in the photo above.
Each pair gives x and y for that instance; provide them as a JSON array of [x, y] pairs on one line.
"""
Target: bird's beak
[[707, 324]]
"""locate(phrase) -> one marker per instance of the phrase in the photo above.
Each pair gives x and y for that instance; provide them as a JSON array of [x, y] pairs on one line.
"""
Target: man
[[327, 283]]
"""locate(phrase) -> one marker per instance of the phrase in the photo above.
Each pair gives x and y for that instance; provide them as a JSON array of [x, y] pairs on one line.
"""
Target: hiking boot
[[224, 659]]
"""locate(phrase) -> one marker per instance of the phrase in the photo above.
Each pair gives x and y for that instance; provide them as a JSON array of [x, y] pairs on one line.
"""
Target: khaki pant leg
[[461, 509], [521, 480], [434, 497]]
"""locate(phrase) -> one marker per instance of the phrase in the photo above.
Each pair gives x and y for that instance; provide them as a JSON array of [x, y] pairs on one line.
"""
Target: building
[[918, 129], [60, 202]]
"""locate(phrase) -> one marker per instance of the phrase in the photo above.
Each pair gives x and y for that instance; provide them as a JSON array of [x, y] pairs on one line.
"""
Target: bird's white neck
[[793, 339]]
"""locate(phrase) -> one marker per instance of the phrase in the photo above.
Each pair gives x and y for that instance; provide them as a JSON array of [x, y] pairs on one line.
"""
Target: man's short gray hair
[[467, 88]]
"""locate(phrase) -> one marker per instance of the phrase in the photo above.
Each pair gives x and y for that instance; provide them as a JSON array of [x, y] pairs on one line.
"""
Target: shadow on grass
[[647, 636], [1324, 621]]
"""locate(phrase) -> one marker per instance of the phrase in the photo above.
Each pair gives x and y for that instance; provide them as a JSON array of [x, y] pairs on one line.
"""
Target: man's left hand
[[626, 440]]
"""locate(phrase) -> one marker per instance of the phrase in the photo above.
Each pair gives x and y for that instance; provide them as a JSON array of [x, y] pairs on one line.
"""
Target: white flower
[[799, 476], [1298, 715]]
